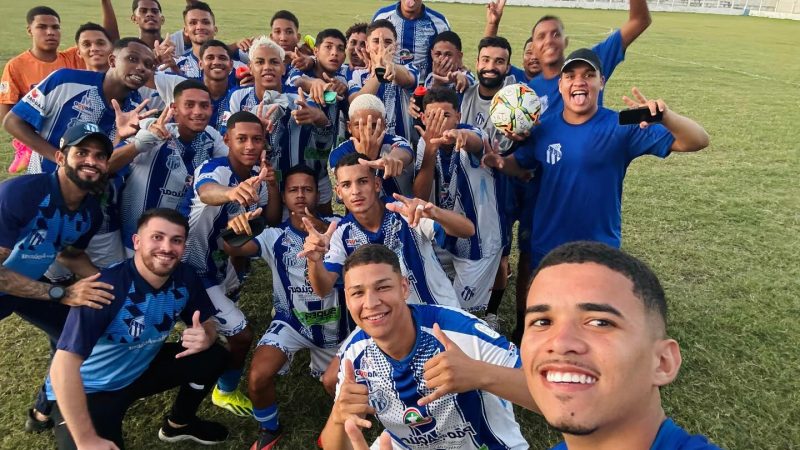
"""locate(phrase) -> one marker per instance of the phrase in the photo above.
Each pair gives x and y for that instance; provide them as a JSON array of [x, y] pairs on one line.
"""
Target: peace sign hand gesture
[[155, 133], [316, 243], [413, 209], [127, 122]]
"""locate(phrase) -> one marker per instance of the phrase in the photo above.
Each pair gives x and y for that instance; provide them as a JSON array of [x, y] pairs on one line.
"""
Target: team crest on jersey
[[136, 327], [553, 153], [379, 400], [35, 239], [414, 418], [174, 160]]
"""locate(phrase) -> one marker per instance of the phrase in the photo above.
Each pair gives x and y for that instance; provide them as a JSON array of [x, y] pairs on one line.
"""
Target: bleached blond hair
[[264, 41], [366, 102]]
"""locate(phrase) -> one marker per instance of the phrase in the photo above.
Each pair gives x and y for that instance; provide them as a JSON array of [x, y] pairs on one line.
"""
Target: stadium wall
[[776, 9]]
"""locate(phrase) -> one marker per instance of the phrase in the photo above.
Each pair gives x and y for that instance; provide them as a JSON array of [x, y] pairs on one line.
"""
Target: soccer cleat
[[200, 431], [267, 439], [34, 425], [22, 156], [235, 402]]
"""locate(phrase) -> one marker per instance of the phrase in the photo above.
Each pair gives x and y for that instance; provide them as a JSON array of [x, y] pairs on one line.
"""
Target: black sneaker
[[34, 425], [267, 439], [200, 431]]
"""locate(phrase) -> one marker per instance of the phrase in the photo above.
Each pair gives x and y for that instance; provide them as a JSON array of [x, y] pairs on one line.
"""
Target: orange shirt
[[24, 71]]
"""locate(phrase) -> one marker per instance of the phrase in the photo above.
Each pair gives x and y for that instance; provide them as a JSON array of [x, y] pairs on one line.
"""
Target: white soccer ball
[[515, 109]]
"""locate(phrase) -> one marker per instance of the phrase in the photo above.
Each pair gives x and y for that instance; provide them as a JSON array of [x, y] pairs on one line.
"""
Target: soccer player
[[549, 42], [302, 319], [298, 50], [447, 67], [111, 357], [301, 131], [415, 25], [224, 187], [54, 219], [530, 63], [435, 377], [393, 87], [448, 171], [409, 227], [356, 37], [147, 16], [94, 46], [596, 351], [574, 203], [368, 137], [159, 163], [68, 96]]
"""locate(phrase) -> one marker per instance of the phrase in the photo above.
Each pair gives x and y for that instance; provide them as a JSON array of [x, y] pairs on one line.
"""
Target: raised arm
[[110, 19], [638, 21], [65, 376], [413, 209], [689, 135], [494, 12]]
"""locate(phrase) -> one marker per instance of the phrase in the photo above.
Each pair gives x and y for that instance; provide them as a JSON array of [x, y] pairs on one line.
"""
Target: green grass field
[[720, 227]]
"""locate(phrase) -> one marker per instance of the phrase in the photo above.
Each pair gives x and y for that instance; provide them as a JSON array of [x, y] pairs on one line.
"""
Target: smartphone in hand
[[636, 116]]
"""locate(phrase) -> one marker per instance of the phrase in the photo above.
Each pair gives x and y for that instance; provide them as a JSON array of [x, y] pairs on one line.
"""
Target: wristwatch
[[56, 293]]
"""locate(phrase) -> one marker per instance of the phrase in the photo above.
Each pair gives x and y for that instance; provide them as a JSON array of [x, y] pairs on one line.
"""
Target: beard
[[97, 186], [571, 428], [491, 83], [151, 264]]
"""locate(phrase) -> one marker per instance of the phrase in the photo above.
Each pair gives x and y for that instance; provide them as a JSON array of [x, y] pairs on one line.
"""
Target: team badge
[[405, 55], [4, 87], [553, 153], [379, 400], [136, 327]]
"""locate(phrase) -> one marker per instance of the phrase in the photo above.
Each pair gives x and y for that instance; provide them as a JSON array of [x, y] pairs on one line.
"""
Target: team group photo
[[428, 225]]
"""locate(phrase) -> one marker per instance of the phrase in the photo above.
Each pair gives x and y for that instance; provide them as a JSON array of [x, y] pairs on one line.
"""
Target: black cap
[[80, 132], [586, 55]]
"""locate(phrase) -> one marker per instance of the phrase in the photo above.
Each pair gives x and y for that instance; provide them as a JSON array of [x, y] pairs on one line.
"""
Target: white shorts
[[230, 319], [282, 336], [106, 249], [474, 280]]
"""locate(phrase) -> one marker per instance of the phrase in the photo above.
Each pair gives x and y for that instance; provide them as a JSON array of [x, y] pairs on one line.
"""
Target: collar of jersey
[[56, 199], [142, 286]]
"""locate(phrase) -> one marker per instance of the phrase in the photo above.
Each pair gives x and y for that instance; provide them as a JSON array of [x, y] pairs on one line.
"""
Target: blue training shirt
[[581, 169], [119, 341], [609, 51], [472, 420], [36, 225], [670, 437]]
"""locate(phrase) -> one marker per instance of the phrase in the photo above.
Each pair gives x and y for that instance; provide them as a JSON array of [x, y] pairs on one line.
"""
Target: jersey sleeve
[[654, 140], [610, 52], [84, 325], [431, 230], [401, 143], [36, 105], [198, 298], [10, 92], [165, 85], [337, 153], [477, 339], [356, 81], [266, 243], [334, 258], [220, 148], [207, 173]]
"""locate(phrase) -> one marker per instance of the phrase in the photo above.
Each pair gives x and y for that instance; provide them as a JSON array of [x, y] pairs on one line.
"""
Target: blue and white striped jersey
[[414, 37], [65, 98], [414, 246], [470, 79], [160, 177], [394, 98], [291, 143], [204, 250], [190, 66], [463, 185], [402, 184], [473, 420], [323, 321], [165, 86]]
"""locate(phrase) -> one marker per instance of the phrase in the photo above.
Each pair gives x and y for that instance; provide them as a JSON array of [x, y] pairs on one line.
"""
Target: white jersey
[[464, 186], [204, 249], [402, 184], [394, 98], [475, 112], [472, 420], [323, 321], [413, 246], [161, 176]]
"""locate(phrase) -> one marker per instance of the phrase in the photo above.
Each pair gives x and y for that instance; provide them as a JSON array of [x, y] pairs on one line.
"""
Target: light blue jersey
[[472, 420]]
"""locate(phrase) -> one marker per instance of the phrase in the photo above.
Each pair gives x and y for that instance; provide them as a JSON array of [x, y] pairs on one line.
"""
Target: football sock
[[229, 380], [267, 417]]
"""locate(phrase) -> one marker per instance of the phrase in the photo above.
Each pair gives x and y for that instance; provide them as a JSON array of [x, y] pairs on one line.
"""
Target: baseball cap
[[80, 132], [586, 55]]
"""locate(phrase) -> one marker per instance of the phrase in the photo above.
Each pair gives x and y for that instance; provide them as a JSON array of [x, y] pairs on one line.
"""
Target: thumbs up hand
[[195, 339], [353, 401], [450, 371]]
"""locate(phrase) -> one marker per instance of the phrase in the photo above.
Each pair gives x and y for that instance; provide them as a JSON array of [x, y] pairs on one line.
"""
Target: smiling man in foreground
[[595, 351]]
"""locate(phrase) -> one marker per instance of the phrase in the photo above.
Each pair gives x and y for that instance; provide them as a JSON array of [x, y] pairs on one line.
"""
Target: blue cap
[[80, 132]]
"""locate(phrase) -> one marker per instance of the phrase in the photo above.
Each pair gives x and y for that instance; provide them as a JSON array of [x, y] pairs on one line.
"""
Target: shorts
[[474, 280], [518, 197], [230, 319], [282, 336], [106, 249]]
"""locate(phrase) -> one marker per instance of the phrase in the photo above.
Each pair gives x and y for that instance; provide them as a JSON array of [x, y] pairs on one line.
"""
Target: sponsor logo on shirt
[[36, 99], [553, 153], [405, 55], [414, 418], [4, 87]]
